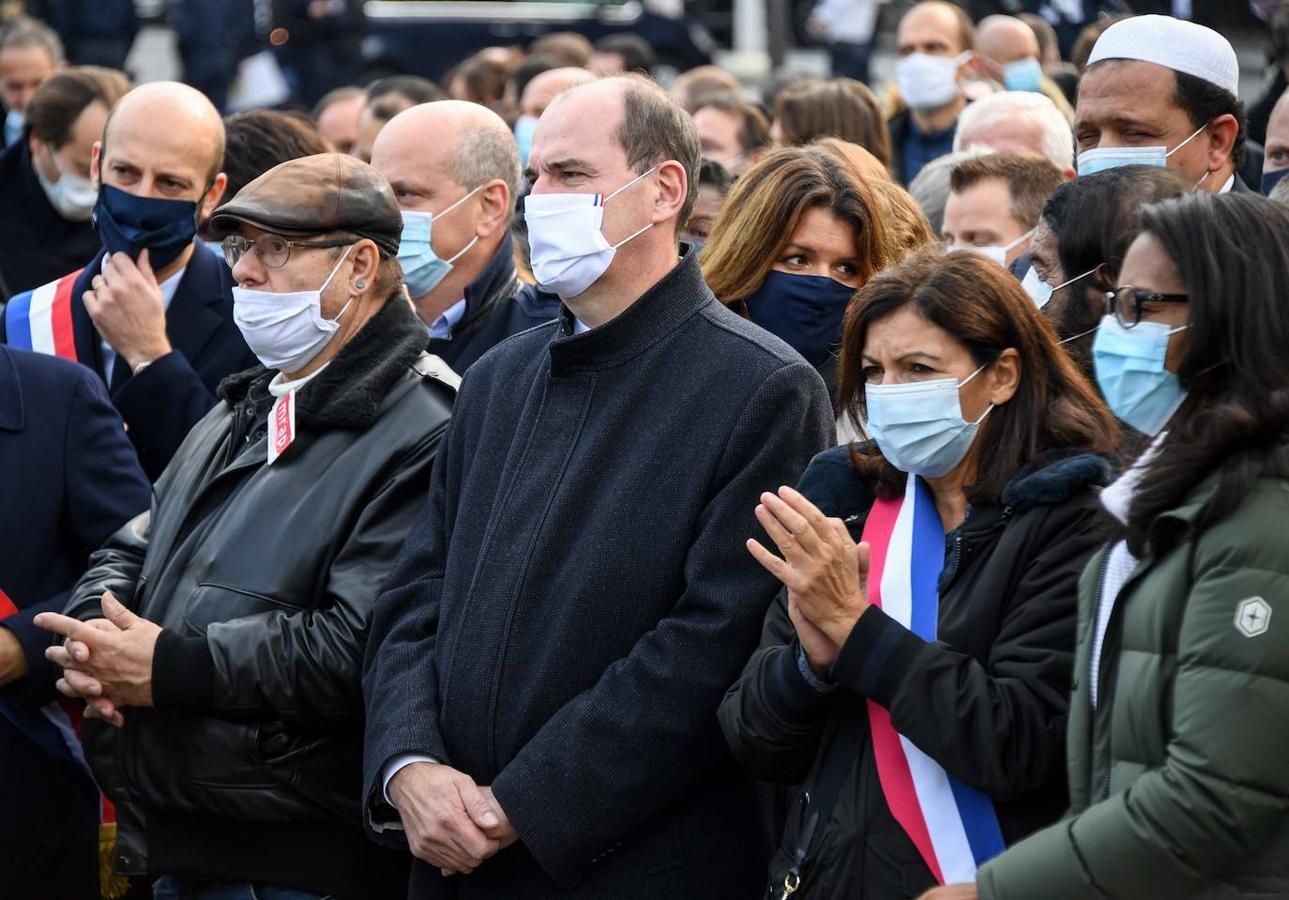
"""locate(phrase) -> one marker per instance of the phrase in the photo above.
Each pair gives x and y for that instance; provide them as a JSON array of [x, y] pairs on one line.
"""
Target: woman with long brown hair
[[800, 232], [912, 688]]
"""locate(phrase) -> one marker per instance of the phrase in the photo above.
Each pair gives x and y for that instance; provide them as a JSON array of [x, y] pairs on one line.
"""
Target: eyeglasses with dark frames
[[273, 250], [1125, 303]]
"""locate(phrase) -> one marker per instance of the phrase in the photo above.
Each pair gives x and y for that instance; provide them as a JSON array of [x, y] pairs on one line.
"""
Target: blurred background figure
[[46, 193], [714, 183], [478, 80], [930, 190], [213, 38], [847, 27], [337, 115], [934, 42], [618, 54], [29, 53], [841, 108], [95, 32], [537, 95], [733, 132], [1008, 53], [1021, 121], [693, 88], [322, 48], [385, 99]]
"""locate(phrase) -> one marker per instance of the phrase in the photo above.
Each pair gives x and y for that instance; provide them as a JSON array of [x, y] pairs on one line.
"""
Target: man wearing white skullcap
[[1162, 91]]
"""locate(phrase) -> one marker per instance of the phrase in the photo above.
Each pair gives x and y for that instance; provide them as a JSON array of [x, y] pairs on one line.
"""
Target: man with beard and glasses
[[1079, 245]]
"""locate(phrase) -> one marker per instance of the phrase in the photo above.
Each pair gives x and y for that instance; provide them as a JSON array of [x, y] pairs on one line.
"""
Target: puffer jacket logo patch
[[1252, 616]]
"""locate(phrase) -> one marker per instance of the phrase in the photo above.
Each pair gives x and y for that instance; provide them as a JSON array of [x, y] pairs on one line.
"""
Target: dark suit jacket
[[68, 479], [37, 245], [163, 402]]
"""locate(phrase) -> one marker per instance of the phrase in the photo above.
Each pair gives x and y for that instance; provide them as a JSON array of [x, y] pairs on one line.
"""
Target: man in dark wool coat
[[548, 654]]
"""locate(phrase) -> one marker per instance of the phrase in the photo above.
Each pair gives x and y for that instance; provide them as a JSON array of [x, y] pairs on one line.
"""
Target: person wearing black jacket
[[46, 197], [233, 616], [455, 170], [986, 700], [548, 654]]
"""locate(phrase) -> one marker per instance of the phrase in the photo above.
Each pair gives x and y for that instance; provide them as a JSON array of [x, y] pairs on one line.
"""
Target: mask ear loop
[[637, 234], [334, 270], [963, 383]]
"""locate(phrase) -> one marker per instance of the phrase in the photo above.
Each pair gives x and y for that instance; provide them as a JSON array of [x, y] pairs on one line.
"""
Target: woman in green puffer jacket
[[1178, 744]]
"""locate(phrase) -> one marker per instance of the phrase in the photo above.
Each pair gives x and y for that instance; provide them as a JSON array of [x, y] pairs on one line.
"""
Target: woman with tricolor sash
[[913, 678]]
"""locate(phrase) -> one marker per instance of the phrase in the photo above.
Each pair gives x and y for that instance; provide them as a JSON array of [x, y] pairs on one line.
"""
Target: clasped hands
[[106, 662], [822, 567], [449, 820]]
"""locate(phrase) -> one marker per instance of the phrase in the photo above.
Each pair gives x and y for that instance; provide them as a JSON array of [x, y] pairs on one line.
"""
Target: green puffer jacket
[[1179, 777]]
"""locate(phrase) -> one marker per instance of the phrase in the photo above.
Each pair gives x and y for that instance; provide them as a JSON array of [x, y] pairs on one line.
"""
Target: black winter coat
[[576, 597], [987, 701], [263, 578]]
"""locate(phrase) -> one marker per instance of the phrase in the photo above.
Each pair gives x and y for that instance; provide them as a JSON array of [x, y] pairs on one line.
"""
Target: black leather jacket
[[263, 578]]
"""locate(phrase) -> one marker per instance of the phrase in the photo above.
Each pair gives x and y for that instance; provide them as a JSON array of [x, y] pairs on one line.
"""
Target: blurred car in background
[[429, 37]]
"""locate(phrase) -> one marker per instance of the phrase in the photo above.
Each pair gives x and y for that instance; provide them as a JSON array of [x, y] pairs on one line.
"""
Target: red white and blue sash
[[41, 319], [953, 826]]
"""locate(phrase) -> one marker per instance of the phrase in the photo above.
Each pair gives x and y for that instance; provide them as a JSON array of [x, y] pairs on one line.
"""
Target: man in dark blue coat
[[69, 478], [454, 167], [152, 317], [547, 657]]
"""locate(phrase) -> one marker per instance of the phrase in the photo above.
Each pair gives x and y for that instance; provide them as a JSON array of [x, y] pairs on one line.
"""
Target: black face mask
[[804, 310], [129, 224]]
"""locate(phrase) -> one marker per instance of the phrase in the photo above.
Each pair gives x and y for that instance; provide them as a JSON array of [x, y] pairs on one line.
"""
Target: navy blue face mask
[[127, 224], [1271, 179], [804, 310]]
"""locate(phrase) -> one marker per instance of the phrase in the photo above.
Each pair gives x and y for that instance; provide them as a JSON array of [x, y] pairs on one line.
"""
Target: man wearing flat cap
[[1161, 91], [219, 637]]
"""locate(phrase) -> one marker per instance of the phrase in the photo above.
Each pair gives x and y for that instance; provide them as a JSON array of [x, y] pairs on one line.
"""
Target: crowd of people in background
[[555, 482]]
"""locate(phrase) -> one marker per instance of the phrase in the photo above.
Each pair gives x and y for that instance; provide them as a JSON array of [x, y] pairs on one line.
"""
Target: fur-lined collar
[[347, 394]]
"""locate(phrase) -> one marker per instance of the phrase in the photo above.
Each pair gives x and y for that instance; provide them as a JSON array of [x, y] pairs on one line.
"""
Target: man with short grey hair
[[454, 167], [1024, 121], [550, 649], [30, 52]]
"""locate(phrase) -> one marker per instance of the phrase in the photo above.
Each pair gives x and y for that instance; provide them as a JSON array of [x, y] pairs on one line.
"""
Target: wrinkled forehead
[[579, 128]]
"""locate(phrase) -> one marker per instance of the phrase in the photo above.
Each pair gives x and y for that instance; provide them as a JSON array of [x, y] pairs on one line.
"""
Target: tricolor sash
[[41, 319], [953, 826]]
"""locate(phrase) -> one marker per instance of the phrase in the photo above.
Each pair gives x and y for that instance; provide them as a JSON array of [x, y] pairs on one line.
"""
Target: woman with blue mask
[[910, 688], [800, 232], [1177, 725]]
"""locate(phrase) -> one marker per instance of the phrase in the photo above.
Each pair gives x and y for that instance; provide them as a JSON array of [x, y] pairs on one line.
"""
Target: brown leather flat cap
[[315, 195]]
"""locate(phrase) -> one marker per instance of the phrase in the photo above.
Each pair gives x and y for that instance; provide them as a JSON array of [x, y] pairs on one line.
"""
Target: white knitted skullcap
[[1174, 44]]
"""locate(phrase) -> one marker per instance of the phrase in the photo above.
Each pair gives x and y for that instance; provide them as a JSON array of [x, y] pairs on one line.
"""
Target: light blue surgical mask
[[1098, 159], [422, 268], [1023, 75], [525, 127], [1129, 364], [919, 426], [13, 122]]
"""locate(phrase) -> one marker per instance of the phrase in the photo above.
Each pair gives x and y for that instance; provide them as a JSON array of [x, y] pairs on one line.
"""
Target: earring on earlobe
[[360, 284]]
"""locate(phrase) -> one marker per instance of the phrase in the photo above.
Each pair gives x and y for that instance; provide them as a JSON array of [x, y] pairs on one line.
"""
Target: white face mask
[[1098, 159], [286, 331], [997, 254], [71, 196], [569, 251], [1040, 291], [929, 82]]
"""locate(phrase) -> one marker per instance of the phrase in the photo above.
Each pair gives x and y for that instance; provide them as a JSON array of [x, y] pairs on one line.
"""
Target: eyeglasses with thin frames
[[273, 250]]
